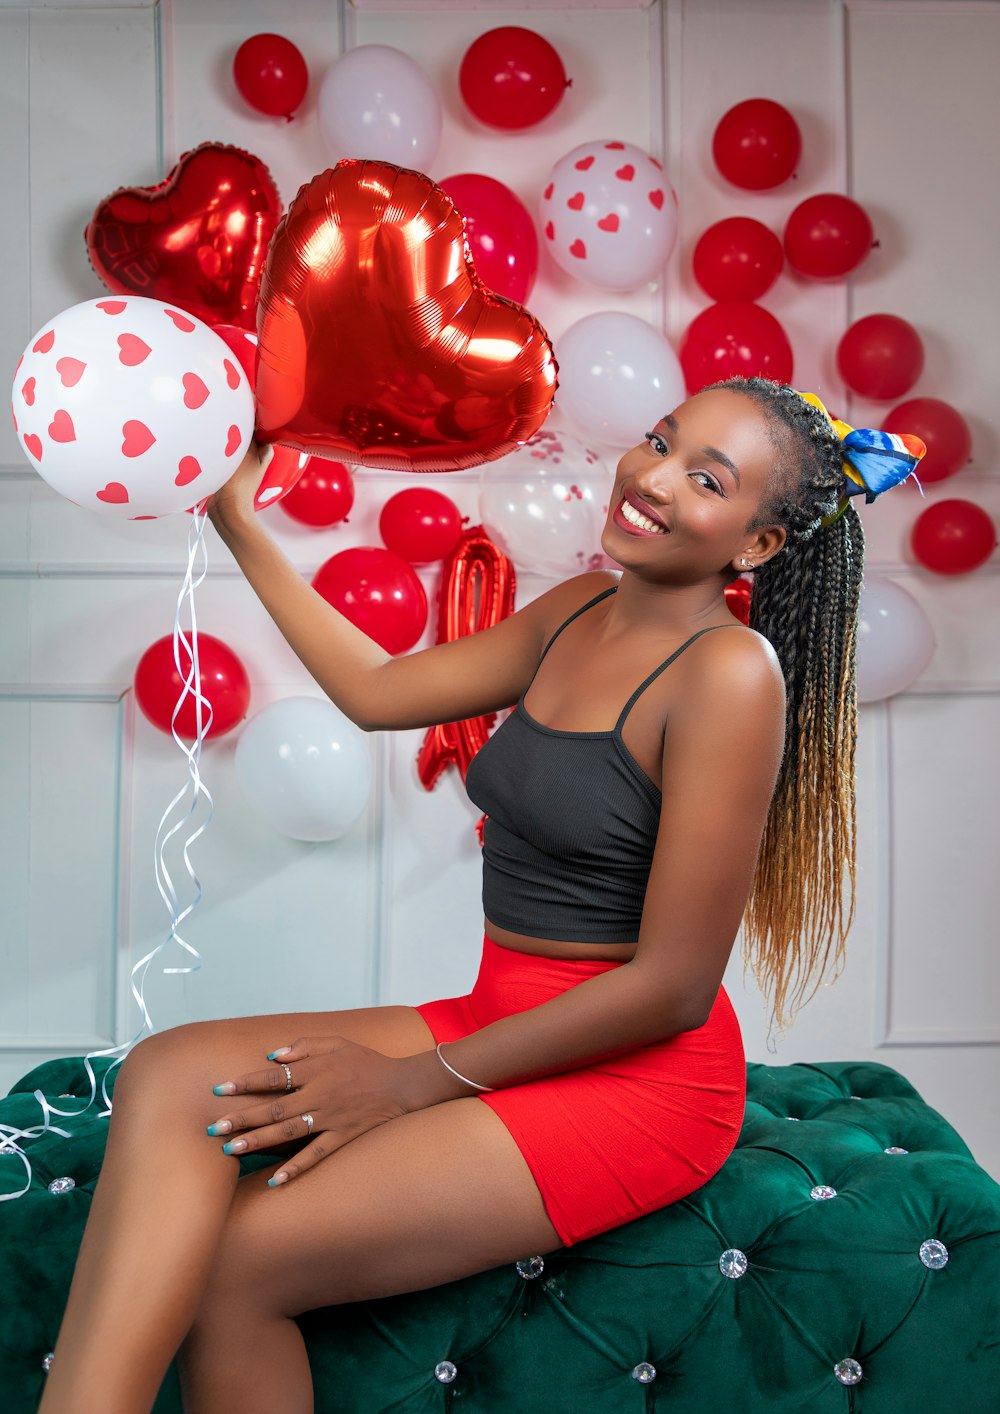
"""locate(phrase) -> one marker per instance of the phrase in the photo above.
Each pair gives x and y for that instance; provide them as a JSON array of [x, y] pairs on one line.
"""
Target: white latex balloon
[[617, 377], [376, 102], [132, 407], [895, 639], [609, 215], [545, 505], [305, 767]]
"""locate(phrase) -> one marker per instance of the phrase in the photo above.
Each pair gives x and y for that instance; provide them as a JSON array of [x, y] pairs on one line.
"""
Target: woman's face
[[683, 498]]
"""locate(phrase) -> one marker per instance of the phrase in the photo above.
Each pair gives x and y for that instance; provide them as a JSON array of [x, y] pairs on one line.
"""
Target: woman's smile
[[637, 517]]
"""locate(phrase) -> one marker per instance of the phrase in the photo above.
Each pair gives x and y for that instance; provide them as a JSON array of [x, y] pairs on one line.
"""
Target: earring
[[745, 563]]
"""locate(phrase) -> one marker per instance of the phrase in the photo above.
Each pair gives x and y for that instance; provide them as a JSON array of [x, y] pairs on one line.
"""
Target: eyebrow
[[712, 453]]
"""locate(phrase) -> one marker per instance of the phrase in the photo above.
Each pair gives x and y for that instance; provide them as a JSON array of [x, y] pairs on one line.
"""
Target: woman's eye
[[710, 482], [657, 443]]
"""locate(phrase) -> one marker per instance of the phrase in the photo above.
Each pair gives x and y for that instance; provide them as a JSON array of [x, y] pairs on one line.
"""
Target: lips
[[643, 507]]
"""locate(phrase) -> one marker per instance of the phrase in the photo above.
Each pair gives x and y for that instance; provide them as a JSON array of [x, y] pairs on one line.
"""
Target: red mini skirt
[[612, 1141]]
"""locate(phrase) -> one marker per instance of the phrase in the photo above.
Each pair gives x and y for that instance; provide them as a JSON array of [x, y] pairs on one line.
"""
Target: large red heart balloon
[[379, 343], [197, 240]]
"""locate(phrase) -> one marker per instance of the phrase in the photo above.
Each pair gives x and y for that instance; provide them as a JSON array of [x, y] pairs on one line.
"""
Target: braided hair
[[805, 602]]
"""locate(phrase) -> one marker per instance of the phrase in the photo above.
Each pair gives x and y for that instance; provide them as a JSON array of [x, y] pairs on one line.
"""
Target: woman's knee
[[169, 1063]]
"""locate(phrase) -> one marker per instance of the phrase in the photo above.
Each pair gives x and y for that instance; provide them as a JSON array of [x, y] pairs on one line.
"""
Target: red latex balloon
[[757, 144], [953, 537], [323, 494], [271, 74], [880, 356], [420, 524], [224, 683], [197, 240], [287, 465], [737, 594], [500, 231], [379, 592], [379, 343], [943, 431], [734, 337], [737, 259], [828, 235], [512, 77], [477, 591]]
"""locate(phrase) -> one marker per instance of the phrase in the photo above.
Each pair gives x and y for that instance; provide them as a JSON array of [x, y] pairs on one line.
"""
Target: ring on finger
[[288, 1075], [308, 1122]]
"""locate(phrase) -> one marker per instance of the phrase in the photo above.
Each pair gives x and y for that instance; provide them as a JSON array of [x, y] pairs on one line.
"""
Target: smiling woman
[[668, 783]]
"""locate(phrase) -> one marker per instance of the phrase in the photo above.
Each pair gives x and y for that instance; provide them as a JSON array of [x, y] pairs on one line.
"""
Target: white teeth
[[635, 517]]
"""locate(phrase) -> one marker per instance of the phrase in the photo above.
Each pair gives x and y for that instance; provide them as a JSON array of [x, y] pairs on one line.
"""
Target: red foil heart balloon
[[378, 342], [197, 240]]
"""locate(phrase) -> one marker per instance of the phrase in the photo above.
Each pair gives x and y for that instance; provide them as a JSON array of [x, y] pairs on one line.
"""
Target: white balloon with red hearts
[[609, 215], [131, 407]]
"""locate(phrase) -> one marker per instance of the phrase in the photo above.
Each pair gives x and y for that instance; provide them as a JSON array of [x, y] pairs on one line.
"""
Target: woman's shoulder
[[740, 661]]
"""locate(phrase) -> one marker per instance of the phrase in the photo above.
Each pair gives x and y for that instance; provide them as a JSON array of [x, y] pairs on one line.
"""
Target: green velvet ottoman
[[845, 1258]]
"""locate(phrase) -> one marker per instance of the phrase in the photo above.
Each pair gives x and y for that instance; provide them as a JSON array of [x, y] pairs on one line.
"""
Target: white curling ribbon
[[193, 791]]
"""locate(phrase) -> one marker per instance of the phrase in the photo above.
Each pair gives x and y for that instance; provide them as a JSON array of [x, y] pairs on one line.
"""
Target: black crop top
[[571, 823]]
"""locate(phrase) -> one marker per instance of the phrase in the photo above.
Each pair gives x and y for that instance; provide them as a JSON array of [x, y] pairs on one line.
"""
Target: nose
[[654, 480]]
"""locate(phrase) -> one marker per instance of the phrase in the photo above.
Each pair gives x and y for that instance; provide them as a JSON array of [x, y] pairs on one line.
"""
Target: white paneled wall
[[897, 104]]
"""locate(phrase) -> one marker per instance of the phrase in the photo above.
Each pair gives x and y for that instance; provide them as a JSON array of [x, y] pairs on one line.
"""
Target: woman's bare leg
[[424, 1199], [163, 1197]]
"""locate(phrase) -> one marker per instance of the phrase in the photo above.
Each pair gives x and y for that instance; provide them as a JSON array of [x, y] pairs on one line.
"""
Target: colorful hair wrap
[[873, 460]]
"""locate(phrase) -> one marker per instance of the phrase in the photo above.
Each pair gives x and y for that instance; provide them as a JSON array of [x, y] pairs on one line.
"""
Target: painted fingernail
[[284, 1051], [277, 1180], [235, 1146], [228, 1088], [221, 1126]]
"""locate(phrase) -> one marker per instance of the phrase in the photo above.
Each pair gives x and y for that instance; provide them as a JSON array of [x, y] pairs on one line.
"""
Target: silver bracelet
[[464, 1079]]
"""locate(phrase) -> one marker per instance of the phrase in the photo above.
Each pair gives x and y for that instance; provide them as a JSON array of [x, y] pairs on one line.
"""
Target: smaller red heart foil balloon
[[378, 342], [198, 239]]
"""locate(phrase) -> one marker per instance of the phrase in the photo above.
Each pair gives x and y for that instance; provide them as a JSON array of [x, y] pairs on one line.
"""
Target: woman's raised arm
[[466, 678]]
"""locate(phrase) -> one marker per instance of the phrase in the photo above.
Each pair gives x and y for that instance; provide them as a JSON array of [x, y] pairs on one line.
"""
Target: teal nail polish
[[272, 1055], [221, 1126], [277, 1180], [227, 1088], [235, 1146]]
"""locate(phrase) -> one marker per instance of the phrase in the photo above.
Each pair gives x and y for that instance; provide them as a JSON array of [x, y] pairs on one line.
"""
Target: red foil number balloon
[[379, 343], [224, 684], [477, 591], [197, 240]]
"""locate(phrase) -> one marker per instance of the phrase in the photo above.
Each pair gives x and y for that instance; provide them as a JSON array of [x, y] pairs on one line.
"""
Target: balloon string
[[188, 668]]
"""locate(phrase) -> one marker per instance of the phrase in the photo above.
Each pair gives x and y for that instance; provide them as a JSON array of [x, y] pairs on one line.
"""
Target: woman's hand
[[347, 1088], [234, 500]]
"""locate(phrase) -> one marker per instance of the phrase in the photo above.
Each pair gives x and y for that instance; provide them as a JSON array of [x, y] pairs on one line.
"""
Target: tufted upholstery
[[846, 1258]]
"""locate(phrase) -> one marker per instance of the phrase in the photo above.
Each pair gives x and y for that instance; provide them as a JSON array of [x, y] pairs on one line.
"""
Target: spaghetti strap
[[575, 615], [657, 671]]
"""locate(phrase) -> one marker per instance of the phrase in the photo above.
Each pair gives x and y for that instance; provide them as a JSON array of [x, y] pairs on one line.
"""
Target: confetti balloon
[[131, 407], [546, 505]]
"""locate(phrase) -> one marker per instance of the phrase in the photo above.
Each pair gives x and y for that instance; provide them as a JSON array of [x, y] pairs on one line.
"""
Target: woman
[[596, 1072]]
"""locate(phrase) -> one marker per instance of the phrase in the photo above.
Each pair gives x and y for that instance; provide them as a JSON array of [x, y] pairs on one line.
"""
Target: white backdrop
[[897, 104]]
